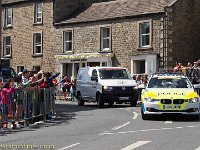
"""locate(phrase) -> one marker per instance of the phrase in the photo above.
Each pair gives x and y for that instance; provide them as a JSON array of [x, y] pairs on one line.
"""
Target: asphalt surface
[[113, 128]]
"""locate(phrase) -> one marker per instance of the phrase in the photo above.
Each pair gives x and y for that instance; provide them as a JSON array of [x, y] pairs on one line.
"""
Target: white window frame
[[105, 38], [65, 41], [20, 68], [150, 63], [8, 16], [37, 44], [35, 66], [140, 35], [38, 15], [9, 46]]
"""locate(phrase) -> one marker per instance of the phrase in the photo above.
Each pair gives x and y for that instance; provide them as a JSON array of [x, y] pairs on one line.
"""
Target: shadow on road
[[175, 118]]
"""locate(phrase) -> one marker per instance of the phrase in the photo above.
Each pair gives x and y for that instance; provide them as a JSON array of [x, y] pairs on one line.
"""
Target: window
[[7, 46], [20, 68], [180, 82], [104, 64], [139, 66], [105, 38], [37, 43], [36, 68], [67, 40], [94, 73], [38, 13], [8, 17], [145, 38], [113, 73]]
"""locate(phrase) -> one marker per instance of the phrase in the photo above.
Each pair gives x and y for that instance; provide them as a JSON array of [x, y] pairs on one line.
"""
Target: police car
[[168, 93]]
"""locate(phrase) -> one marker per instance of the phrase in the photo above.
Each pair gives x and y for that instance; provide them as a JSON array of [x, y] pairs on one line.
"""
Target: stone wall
[[185, 26], [22, 36], [124, 38]]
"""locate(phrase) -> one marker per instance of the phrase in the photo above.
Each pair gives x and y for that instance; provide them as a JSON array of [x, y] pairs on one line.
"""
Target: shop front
[[70, 64]]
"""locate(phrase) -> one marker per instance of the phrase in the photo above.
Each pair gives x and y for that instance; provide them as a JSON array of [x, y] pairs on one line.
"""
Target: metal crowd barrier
[[36, 104]]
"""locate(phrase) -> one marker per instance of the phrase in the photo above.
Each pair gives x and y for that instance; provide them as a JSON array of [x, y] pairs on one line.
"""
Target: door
[[83, 80], [93, 86]]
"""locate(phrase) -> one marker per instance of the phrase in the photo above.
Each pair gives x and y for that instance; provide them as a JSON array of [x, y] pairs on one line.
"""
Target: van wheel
[[100, 102], [133, 103], [80, 101], [110, 104]]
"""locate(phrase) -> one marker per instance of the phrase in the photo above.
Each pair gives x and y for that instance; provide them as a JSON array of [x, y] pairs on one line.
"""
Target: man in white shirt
[[25, 76]]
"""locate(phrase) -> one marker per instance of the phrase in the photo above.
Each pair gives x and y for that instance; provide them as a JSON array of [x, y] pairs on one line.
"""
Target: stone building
[[28, 34], [141, 35]]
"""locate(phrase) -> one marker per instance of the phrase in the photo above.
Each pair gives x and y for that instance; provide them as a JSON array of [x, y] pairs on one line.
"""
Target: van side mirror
[[94, 78]]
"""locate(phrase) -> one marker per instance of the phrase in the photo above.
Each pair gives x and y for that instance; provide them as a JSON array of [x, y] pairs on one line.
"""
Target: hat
[[19, 73], [25, 71]]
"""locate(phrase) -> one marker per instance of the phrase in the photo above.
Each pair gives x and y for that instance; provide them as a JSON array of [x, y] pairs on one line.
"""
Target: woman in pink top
[[5, 92]]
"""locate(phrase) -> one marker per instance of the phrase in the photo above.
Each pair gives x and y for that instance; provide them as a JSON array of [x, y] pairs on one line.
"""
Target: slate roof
[[118, 9], [12, 1]]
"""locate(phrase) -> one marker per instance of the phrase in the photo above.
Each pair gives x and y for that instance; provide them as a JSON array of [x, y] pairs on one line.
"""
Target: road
[[113, 128]]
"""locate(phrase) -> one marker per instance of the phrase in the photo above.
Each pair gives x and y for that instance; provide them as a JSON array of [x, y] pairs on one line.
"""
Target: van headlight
[[148, 99], [194, 100], [107, 88]]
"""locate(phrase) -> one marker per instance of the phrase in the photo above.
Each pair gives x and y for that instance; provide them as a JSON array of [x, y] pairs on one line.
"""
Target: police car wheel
[[110, 103], [144, 117], [80, 101], [195, 117], [100, 102]]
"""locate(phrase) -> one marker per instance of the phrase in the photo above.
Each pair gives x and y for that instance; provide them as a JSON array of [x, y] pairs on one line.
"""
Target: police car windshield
[[178, 82], [114, 73]]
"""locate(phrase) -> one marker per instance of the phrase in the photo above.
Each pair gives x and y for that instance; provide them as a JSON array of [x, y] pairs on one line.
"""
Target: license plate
[[123, 98], [171, 106]]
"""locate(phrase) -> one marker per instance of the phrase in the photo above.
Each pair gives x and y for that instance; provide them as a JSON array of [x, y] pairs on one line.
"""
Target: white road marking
[[128, 109], [179, 127], [69, 146], [146, 130], [135, 115], [135, 145], [168, 121], [198, 148], [118, 127]]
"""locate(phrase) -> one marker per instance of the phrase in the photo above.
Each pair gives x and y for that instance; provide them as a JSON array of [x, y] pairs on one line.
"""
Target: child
[[73, 88], [5, 92], [19, 98]]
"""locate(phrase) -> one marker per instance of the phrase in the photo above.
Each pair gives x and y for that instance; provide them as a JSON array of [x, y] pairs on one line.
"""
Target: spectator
[[189, 69], [145, 79], [139, 79], [195, 65], [63, 87], [194, 78], [19, 96], [73, 88], [5, 92], [25, 76], [68, 86], [176, 68]]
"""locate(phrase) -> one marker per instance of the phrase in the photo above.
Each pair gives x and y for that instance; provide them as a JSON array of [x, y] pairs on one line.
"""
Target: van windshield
[[113, 73]]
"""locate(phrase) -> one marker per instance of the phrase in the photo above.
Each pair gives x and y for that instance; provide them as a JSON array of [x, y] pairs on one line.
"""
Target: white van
[[105, 85]]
